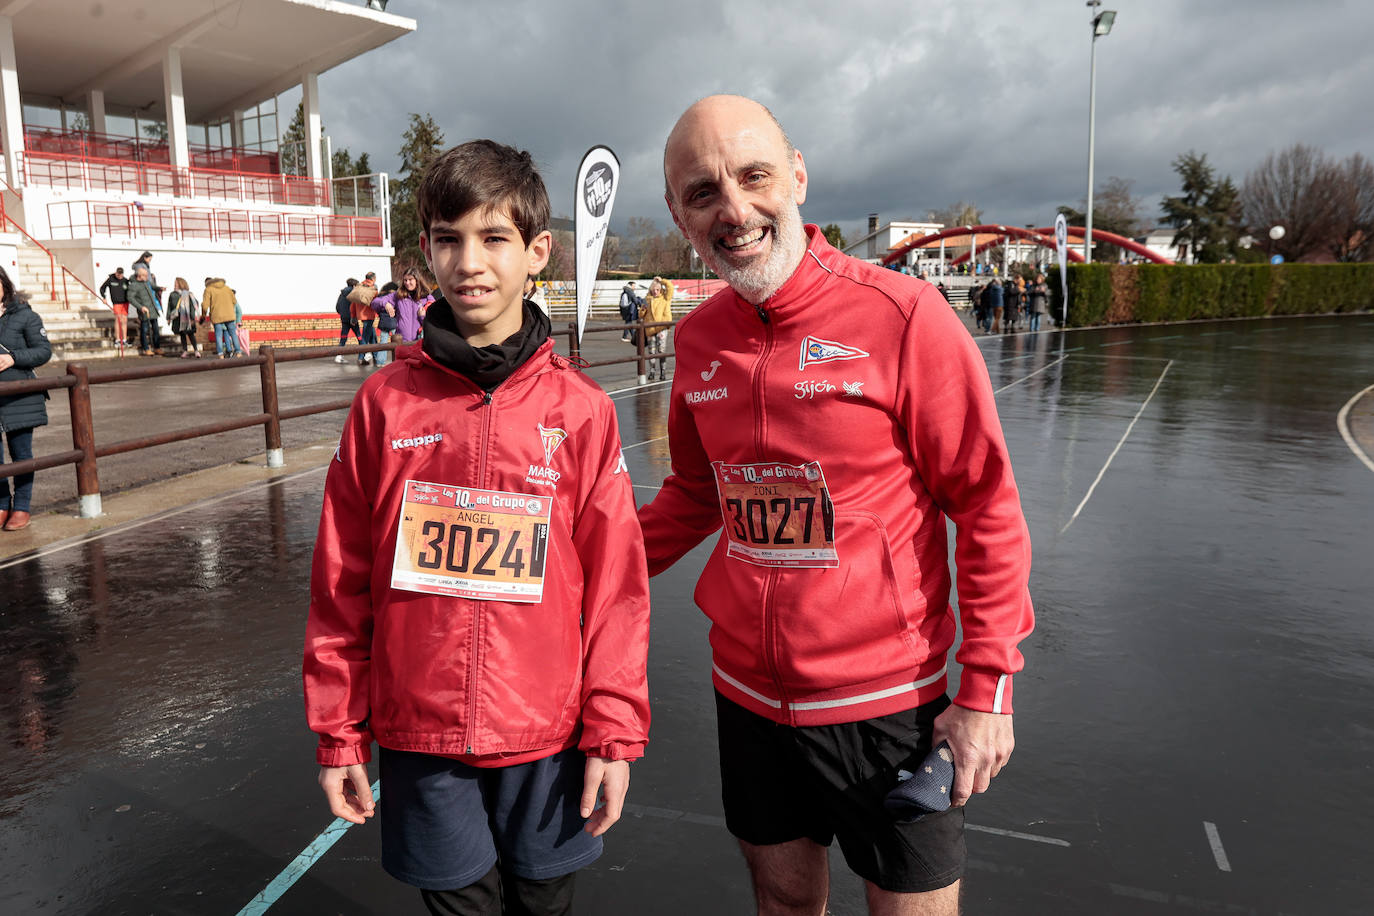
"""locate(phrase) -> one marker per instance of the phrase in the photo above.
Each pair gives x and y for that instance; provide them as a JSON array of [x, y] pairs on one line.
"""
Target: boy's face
[[481, 264]]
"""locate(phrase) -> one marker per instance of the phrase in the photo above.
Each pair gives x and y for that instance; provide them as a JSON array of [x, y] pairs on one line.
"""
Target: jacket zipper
[[476, 613], [771, 577]]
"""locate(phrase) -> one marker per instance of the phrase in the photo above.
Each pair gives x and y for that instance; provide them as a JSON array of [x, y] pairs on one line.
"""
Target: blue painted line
[[301, 864]]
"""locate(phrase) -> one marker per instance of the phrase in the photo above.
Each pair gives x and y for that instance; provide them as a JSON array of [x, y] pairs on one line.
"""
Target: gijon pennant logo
[[819, 350], [551, 438], [596, 189]]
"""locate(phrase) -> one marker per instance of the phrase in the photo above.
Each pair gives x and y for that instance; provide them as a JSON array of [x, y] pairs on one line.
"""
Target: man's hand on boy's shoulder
[[604, 781], [348, 792]]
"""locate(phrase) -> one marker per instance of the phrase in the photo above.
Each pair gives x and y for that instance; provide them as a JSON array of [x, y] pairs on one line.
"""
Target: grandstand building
[[150, 125]]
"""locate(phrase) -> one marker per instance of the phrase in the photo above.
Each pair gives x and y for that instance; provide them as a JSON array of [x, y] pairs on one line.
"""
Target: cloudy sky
[[899, 108]]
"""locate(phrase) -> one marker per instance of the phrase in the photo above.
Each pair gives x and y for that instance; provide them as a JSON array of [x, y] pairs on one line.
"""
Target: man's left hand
[[606, 781], [982, 743]]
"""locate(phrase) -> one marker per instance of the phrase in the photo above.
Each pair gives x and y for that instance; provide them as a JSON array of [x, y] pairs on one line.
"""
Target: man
[[346, 322], [832, 415], [629, 308], [115, 290], [146, 311]]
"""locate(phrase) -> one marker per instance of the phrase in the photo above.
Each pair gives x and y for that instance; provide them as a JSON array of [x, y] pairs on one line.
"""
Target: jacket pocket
[[845, 625]]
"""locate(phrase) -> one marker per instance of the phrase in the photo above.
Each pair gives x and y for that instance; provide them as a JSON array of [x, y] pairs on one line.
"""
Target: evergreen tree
[[423, 142], [1206, 215], [291, 147], [834, 235]]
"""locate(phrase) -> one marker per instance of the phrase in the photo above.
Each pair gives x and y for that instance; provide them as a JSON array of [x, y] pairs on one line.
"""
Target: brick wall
[[294, 331]]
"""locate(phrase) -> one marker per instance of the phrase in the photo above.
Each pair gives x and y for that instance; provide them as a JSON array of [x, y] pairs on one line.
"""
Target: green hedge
[[1115, 294]]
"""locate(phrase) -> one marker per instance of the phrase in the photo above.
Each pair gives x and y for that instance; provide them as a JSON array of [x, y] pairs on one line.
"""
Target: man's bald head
[[717, 112]]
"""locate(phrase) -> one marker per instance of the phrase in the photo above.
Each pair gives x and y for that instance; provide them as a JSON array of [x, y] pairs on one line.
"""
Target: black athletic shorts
[[823, 782]]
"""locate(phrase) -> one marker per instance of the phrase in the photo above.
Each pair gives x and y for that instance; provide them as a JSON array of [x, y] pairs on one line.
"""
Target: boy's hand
[[348, 791], [608, 781]]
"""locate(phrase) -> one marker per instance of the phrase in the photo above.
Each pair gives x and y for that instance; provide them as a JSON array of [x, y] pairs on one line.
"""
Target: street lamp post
[[1102, 25]]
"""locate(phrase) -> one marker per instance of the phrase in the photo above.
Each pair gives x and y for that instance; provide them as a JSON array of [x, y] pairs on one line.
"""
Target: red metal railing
[[83, 219], [55, 269], [89, 144], [88, 173]]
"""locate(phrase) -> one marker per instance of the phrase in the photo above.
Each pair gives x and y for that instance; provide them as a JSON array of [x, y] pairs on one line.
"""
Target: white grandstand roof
[[234, 53]]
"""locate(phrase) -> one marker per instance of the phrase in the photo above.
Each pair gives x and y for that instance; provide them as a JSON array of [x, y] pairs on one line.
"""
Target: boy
[[479, 597]]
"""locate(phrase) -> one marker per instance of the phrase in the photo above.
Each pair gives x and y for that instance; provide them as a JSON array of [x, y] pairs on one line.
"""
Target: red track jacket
[[490, 682], [833, 430]]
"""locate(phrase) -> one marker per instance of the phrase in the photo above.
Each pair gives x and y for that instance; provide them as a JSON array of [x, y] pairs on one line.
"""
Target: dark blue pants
[[147, 333], [21, 449]]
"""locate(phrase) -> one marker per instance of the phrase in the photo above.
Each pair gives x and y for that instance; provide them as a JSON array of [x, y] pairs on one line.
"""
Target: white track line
[[1218, 852], [624, 448], [1017, 835], [1130, 427], [1032, 375], [1343, 424]]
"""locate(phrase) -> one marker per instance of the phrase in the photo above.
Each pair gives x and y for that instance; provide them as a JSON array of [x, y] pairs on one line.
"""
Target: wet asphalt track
[[1203, 656]]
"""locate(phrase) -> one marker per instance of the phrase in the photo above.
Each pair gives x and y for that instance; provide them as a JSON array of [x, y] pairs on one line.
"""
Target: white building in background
[[880, 239], [1160, 240], [150, 125]]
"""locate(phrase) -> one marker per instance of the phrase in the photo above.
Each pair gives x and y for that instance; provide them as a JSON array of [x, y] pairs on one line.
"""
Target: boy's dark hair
[[480, 175]]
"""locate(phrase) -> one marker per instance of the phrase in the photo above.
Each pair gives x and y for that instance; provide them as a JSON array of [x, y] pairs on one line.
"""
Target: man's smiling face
[[734, 187]]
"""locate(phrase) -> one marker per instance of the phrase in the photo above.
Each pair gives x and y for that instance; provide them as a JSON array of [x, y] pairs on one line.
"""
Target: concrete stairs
[[81, 327]]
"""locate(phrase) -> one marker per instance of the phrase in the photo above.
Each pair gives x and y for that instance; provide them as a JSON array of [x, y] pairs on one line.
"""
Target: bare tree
[[957, 214], [1296, 188], [1352, 237]]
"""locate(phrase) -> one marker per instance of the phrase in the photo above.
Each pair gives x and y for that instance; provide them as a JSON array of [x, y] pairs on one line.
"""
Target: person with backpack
[[360, 303]]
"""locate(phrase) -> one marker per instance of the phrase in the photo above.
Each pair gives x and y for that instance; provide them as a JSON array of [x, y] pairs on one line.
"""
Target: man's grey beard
[[756, 282]]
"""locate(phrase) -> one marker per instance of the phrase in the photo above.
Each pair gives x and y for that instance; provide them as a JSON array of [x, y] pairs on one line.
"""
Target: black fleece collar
[[487, 366]]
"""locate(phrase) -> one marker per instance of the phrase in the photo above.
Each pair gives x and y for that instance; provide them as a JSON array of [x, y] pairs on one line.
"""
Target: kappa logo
[[817, 350], [416, 441], [711, 372], [853, 389], [552, 439], [620, 466]]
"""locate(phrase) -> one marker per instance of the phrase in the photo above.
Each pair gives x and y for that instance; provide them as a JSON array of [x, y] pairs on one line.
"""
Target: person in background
[[1038, 294], [385, 307], [118, 298], [145, 261], [23, 348], [185, 311], [219, 304], [629, 307], [992, 305], [346, 322], [1011, 305], [535, 293], [407, 302], [360, 303], [240, 332], [657, 308], [145, 310]]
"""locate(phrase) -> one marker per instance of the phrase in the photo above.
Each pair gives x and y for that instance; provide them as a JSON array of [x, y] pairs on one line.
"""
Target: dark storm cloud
[[899, 109]]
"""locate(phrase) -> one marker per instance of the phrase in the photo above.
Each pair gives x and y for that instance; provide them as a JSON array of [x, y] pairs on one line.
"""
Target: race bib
[[777, 514], [483, 544]]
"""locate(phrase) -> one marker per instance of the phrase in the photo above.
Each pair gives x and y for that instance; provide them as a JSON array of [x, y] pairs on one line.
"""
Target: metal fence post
[[83, 439], [268, 371], [639, 352]]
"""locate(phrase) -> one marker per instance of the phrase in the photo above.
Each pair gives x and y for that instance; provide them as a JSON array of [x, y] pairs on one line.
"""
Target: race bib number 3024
[[483, 544], [777, 514]]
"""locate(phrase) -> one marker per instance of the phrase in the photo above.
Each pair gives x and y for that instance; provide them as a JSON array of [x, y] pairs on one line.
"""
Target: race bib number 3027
[[777, 514], [483, 544]]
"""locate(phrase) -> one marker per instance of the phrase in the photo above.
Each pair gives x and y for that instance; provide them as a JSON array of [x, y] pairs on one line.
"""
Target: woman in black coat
[[23, 348]]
